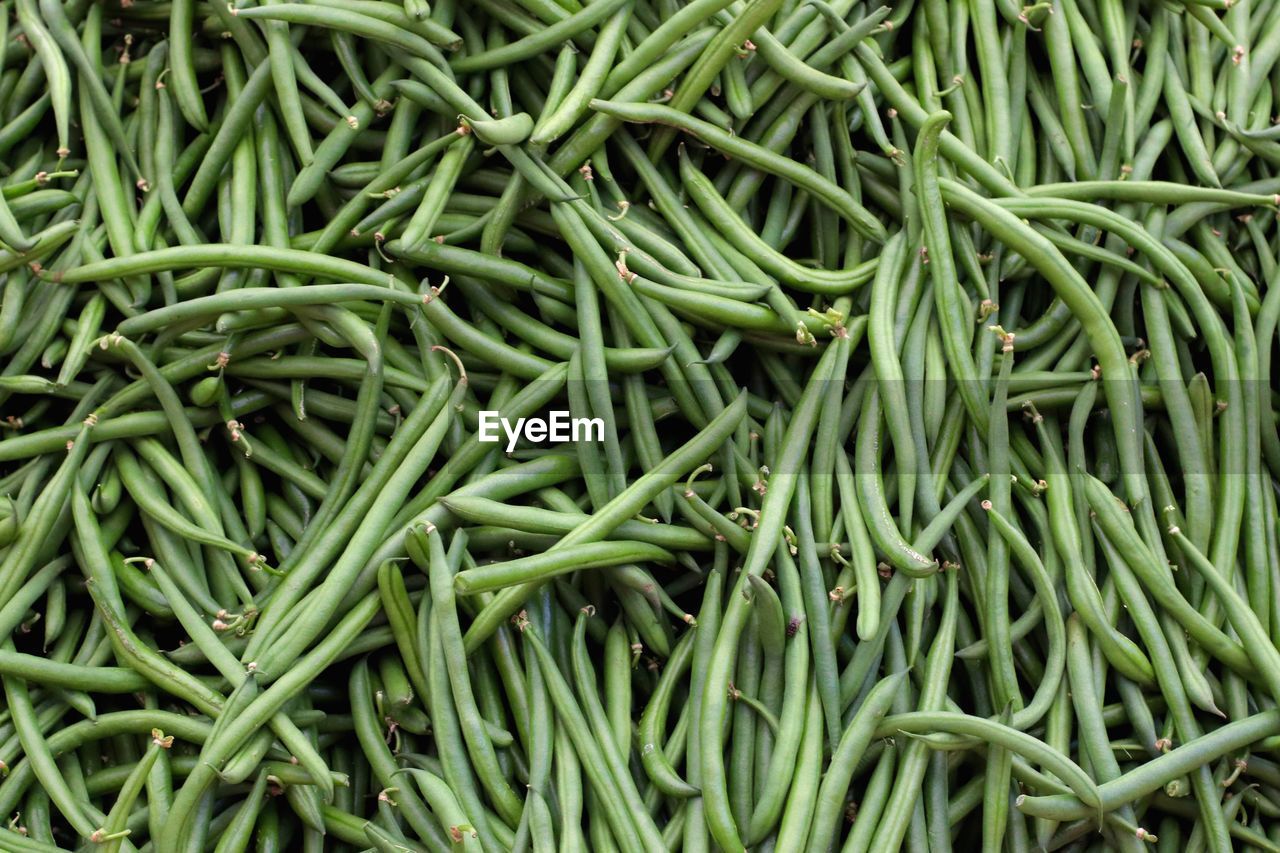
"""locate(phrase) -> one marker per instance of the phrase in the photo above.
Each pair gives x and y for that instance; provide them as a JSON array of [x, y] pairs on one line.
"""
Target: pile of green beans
[[928, 499]]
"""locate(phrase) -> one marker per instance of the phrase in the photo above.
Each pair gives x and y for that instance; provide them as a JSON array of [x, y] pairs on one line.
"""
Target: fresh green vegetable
[[638, 425]]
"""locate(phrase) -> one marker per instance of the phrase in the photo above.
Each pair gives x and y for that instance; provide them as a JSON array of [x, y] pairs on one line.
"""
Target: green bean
[[622, 507], [570, 107], [806, 76], [764, 543], [23, 555], [892, 825], [712, 60], [836, 198], [1153, 774], [848, 753], [615, 758], [534, 44], [881, 526], [363, 533], [248, 298], [57, 74], [1086, 704], [1245, 622], [268, 427], [182, 66], [1084, 304], [1082, 590], [816, 599], [40, 757], [797, 818], [1113, 519], [718, 211], [539, 567], [266, 705], [443, 179], [578, 730], [479, 744], [72, 676], [1055, 628]]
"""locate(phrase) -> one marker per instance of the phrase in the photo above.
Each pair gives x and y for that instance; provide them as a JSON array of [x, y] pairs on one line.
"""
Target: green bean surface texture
[[636, 425]]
